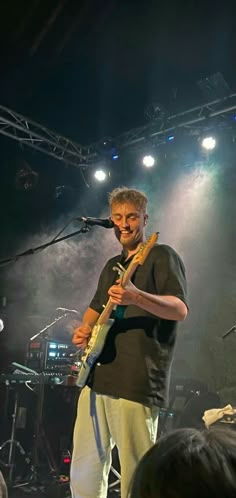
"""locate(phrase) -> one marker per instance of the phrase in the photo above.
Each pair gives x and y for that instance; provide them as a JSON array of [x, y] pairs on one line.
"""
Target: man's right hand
[[81, 335]]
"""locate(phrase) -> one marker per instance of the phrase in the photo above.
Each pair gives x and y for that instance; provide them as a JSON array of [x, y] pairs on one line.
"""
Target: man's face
[[129, 223]]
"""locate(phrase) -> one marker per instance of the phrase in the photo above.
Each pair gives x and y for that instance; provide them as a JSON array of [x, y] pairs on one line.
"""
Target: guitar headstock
[[145, 248]]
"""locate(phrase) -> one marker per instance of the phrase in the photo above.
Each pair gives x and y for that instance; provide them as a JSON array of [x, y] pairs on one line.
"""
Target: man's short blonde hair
[[121, 195]]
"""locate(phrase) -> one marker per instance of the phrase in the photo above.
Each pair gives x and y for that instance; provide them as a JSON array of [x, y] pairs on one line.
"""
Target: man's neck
[[128, 252]]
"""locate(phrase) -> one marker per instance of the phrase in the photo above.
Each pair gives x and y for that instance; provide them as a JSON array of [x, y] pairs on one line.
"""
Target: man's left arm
[[170, 303], [167, 307]]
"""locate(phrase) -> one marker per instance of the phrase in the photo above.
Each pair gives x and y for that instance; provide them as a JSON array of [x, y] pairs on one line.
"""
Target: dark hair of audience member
[[189, 463]]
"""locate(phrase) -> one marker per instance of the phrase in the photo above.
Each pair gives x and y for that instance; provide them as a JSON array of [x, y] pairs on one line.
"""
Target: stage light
[[26, 179], [114, 154], [209, 143], [100, 175], [148, 161]]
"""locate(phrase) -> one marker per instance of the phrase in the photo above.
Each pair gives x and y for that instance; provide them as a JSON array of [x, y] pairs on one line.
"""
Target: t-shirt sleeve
[[170, 275]]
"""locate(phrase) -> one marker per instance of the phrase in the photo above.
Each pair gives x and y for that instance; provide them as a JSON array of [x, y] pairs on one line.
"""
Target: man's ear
[[145, 219]]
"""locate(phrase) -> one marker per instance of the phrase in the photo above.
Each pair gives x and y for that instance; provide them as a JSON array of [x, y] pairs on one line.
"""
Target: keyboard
[[44, 378]]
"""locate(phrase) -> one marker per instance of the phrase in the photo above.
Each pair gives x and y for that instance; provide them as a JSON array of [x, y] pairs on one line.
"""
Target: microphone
[[105, 223], [230, 331], [68, 311], [1, 325]]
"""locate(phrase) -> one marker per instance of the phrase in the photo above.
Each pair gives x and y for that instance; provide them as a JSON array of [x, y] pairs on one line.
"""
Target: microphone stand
[[40, 440], [48, 326], [230, 331], [31, 251]]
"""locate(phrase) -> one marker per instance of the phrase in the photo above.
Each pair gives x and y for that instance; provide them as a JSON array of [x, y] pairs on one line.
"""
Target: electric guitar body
[[93, 350]]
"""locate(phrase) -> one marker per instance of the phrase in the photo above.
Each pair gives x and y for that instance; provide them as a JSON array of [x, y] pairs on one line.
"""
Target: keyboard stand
[[13, 444], [41, 444], [42, 457]]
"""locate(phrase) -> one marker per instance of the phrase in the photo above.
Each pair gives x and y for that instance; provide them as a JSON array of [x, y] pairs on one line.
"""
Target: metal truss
[[29, 133], [200, 116]]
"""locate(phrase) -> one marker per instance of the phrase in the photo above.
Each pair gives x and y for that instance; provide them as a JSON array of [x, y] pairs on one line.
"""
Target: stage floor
[[20, 493]]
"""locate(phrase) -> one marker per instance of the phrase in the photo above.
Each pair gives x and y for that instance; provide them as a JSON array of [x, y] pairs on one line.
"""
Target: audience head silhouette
[[188, 463]]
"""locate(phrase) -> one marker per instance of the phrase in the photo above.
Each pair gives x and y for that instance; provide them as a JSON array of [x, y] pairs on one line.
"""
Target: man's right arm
[[90, 317], [83, 332]]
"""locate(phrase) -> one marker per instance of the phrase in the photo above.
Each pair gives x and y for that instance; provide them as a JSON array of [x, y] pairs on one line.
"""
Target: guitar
[[104, 322]]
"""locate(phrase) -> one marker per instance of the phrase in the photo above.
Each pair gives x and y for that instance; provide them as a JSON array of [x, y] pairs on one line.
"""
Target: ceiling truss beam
[[27, 132]]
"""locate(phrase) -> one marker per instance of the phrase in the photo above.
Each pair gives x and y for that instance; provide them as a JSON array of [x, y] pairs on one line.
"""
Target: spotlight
[[26, 179], [209, 143], [100, 175], [114, 154], [148, 161]]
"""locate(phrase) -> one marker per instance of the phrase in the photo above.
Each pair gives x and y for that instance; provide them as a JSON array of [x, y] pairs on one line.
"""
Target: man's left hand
[[123, 296]]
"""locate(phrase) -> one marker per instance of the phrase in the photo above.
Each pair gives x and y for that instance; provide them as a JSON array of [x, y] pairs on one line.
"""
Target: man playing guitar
[[128, 382]]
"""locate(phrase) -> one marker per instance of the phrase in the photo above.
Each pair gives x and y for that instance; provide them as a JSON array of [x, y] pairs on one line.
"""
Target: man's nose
[[124, 222]]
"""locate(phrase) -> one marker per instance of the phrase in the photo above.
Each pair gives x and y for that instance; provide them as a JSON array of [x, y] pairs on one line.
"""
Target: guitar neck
[[106, 313], [137, 260]]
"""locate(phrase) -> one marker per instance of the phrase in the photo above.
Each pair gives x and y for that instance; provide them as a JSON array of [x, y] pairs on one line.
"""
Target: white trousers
[[3, 487], [101, 423]]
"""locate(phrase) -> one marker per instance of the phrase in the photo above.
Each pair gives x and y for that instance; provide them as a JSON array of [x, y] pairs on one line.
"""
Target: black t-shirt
[[136, 358]]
